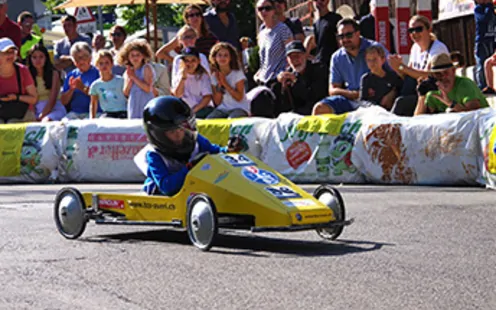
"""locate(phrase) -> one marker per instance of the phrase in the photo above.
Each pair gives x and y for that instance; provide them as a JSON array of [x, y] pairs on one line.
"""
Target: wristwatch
[[453, 103]]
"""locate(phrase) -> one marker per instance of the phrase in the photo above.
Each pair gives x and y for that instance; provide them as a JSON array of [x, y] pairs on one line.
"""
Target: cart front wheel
[[69, 213], [332, 198], [202, 222]]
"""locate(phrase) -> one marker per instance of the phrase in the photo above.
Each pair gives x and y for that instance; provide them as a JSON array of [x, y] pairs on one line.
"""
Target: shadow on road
[[249, 245]]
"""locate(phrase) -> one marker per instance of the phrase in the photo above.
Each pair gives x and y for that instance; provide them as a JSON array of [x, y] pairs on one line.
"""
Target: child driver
[[175, 147]]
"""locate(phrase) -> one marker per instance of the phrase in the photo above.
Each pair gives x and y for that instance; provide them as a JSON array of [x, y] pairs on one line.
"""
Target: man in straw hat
[[454, 94]]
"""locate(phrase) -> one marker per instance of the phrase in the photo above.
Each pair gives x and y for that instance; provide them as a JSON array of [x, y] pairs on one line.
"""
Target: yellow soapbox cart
[[228, 191]]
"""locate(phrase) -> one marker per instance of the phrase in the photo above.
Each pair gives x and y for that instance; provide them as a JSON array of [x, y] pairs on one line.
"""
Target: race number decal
[[282, 192], [238, 160], [260, 176]]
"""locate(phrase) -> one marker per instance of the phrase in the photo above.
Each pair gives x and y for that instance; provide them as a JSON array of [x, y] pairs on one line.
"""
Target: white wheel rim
[[202, 223], [332, 202], [70, 214]]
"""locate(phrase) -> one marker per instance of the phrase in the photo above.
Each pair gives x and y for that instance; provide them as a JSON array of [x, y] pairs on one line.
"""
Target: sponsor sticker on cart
[[238, 160], [260, 176], [299, 203], [111, 204], [282, 192]]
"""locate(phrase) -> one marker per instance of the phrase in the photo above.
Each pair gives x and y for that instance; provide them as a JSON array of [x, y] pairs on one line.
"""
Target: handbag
[[14, 108]]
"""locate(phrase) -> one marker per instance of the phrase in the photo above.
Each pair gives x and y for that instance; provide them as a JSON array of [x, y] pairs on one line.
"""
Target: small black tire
[[69, 213], [338, 209], [202, 222]]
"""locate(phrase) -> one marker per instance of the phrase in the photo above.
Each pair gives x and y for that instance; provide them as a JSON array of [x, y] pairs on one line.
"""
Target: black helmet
[[166, 113]]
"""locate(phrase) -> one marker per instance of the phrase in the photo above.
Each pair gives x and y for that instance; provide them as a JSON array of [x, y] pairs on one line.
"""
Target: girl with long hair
[[228, 83], [139, 76], [47, 81]]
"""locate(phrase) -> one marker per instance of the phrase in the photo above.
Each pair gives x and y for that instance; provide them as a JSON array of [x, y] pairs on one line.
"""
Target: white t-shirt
[[176, 64], [228, 102], [420, 60], [194, 88]]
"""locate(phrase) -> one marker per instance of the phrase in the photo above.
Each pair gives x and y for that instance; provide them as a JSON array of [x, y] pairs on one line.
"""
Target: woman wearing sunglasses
[[425, 47], [272, 41], [118, 37], [193, 17]]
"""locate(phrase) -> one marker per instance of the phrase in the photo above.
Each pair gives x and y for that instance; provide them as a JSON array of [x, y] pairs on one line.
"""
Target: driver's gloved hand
[[235, 144]]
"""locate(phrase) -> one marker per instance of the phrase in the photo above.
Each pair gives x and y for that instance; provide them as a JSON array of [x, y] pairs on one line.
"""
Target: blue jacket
[[167, 174], [484, 22]]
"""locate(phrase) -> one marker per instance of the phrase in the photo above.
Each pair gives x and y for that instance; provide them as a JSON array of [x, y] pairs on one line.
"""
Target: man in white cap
[[454, 94], [9, 29]]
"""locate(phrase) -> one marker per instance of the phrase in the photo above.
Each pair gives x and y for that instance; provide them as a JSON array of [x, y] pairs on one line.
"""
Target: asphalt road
[[409, 248]]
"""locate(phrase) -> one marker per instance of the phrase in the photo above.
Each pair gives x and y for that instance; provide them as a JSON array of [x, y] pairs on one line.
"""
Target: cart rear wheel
[[332, 198], [69, 213], [202, 222]]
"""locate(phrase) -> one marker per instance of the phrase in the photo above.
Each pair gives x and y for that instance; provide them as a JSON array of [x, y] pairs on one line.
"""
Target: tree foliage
[[171, 15]]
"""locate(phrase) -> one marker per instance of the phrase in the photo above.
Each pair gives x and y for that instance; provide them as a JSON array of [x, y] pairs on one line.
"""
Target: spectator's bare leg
[[421, 107], [488, 70], [322, 108]]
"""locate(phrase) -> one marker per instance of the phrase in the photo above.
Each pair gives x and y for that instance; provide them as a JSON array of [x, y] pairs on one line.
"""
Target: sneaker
[[488, 91]]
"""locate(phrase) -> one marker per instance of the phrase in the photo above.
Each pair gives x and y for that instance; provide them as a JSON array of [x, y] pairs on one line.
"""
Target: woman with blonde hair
[[425, 47], [193, 17]]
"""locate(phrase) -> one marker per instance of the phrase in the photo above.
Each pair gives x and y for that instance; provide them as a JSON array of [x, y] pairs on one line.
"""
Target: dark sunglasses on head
[[415, 29], [265, 8], [193, 15], [347, 35], [116, 34]]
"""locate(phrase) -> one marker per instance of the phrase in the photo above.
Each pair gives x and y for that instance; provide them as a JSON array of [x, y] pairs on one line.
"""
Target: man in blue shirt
[[347, 67], [62, 57], [222, 23]]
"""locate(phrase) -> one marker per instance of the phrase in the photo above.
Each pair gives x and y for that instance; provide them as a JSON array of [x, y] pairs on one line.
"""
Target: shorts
[[340, 104]]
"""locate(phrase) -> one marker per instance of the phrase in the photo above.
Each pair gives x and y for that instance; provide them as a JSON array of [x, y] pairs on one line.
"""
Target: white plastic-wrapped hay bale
[[487, 138], [28, 153], [313, 149], [101, 150], [439, 149]]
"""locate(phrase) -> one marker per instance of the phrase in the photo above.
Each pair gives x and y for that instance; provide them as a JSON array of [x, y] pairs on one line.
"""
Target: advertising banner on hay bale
[[28, 153], [314, 148], [251, 130], [440, 149], [101, 151]]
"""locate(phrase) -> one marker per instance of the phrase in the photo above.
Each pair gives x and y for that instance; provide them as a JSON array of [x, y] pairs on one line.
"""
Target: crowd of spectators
[[337, 69]]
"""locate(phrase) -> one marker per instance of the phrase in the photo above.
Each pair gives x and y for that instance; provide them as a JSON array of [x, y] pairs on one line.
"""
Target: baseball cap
[[190, 51], [295, 46], [6, 43]]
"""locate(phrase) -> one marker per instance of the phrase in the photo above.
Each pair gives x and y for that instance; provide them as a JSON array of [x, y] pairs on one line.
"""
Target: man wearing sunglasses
[[455, 94], [28, 38], [222, 23], [348, 65], [294, 24]]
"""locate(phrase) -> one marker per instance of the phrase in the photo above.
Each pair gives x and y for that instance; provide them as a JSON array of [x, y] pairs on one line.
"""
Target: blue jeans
[[483, 50]]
